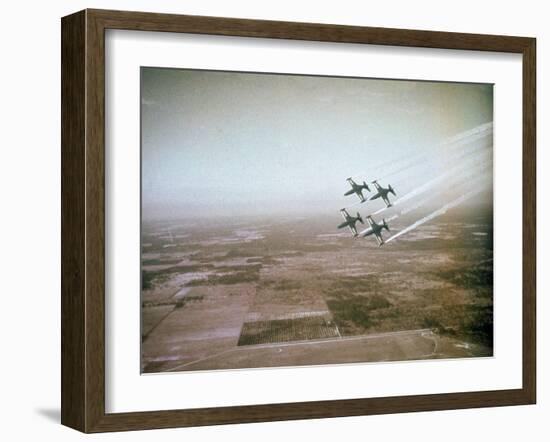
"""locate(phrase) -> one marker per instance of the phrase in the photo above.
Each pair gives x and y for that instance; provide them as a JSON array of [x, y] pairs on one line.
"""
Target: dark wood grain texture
[[83, 219], [530, 220], [73, 130]]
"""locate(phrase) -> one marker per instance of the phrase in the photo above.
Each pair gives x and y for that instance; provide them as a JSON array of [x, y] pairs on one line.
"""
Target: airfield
[[291, 291]]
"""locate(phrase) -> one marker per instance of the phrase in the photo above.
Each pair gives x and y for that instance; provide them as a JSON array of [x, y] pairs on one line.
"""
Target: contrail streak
[[455, 141], [423, 201], [428, 185], [449, 175], [461, 158], [467, 180], [435, 214], [472, 149], [416, 205], [470, 132]]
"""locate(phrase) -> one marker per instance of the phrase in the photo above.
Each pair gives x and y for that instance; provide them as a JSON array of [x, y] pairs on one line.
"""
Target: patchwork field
[[222, 294]]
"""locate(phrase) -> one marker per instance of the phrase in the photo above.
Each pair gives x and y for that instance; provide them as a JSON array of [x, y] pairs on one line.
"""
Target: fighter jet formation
[[466, 167], [351, 221]]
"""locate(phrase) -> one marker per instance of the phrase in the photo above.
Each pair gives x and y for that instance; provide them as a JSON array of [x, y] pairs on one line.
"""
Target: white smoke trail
[[477, 168], [475, 178], [466, 138], [461, 165], [427, 199], [385, 165], [423, 188], [477, 181], [389, 167], [435, 214], [470, 132], [475, 172], [417, 205], [431, 183], [469, 149]]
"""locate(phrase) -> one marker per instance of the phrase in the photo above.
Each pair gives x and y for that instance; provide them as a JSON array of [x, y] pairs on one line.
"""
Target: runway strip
[[422, 332]]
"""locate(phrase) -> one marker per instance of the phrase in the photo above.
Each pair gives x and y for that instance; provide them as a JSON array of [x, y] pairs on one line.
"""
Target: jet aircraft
[[350, 221], [375, 229], [357, 189], [382, 192]]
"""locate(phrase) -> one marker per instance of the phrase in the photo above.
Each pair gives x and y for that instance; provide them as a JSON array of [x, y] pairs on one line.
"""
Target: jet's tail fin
[[366, 186], [360, 219], [390, 188], [385, 225]]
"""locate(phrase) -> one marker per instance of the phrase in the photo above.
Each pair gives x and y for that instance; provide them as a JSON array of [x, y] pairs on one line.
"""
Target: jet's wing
[[386, 200], [379, 239], [370, 220], [344, 213], [376, 185], [360, 195], [350, 181], [353, 230]]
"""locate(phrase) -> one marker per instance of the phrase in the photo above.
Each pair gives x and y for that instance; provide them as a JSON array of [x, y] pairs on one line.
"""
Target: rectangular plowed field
[[286, 330]]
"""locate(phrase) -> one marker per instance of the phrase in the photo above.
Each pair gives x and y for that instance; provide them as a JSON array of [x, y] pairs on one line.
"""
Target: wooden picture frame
[[83, 220]]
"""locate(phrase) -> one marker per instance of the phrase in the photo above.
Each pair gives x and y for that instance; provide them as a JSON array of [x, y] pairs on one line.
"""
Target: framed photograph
[[272, 220]]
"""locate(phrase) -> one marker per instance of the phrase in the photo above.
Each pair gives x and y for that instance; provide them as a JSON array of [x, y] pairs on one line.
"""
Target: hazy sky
[[229, 143]]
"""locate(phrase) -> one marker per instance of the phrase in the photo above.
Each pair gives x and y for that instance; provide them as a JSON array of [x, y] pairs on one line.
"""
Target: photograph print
[[301, 220]]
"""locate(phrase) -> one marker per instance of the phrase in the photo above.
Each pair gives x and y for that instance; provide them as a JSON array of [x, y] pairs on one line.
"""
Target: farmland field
[[259, 292]]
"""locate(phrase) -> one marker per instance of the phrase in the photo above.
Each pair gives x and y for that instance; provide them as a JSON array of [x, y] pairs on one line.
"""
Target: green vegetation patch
[[364, 304], [470, 277], [353, 285], [472, 322], [357, 313]]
